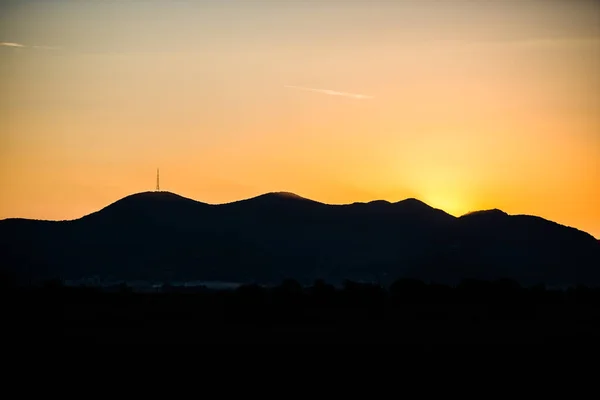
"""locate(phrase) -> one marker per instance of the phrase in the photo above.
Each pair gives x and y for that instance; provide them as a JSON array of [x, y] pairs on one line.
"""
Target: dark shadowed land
[[410, 312], [399, 272]]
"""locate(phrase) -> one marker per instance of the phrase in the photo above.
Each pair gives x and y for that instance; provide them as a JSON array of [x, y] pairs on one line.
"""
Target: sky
[[465, 105]]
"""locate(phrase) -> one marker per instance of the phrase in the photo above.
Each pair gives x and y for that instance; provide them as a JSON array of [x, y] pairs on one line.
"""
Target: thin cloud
[[20, 45], [331, 92], [10, 44]]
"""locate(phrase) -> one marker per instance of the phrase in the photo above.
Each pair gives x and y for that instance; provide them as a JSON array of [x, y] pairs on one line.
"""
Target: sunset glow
[[464, 105]]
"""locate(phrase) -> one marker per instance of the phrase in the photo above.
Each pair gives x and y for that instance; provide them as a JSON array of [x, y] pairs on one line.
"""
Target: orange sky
[[472, 104]]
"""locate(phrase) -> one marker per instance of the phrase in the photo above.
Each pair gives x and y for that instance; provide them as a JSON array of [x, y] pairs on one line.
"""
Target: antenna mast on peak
[[157, 181]]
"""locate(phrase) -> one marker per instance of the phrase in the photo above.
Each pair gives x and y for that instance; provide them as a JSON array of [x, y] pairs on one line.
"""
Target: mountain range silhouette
[[161, 236]]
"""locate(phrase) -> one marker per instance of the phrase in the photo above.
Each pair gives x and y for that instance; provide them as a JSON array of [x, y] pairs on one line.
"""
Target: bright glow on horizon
[[467, 105]]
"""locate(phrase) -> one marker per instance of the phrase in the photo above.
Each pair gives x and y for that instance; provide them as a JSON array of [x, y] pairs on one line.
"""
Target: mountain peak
[[277, 197], [494, 212], [153, 197], [414, 205], [158, 195], [286, 195], [146, 203], [413, 202], [269, 200]]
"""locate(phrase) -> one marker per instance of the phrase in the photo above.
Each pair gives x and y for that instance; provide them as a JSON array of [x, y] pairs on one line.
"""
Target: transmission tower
[[157, 180]]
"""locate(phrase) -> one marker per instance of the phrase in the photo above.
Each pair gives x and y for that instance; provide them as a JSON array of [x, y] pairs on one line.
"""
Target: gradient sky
[[472, 104]]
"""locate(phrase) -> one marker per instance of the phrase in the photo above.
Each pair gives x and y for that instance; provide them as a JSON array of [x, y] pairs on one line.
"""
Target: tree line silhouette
[[321, 303]]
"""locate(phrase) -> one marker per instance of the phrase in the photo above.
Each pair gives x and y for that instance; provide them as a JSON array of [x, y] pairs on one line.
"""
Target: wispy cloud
[[10, 44], [331, 92], [20, 45]]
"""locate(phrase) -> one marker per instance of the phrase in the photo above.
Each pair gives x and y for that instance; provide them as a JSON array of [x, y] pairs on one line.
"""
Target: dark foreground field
[[409, 313]]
